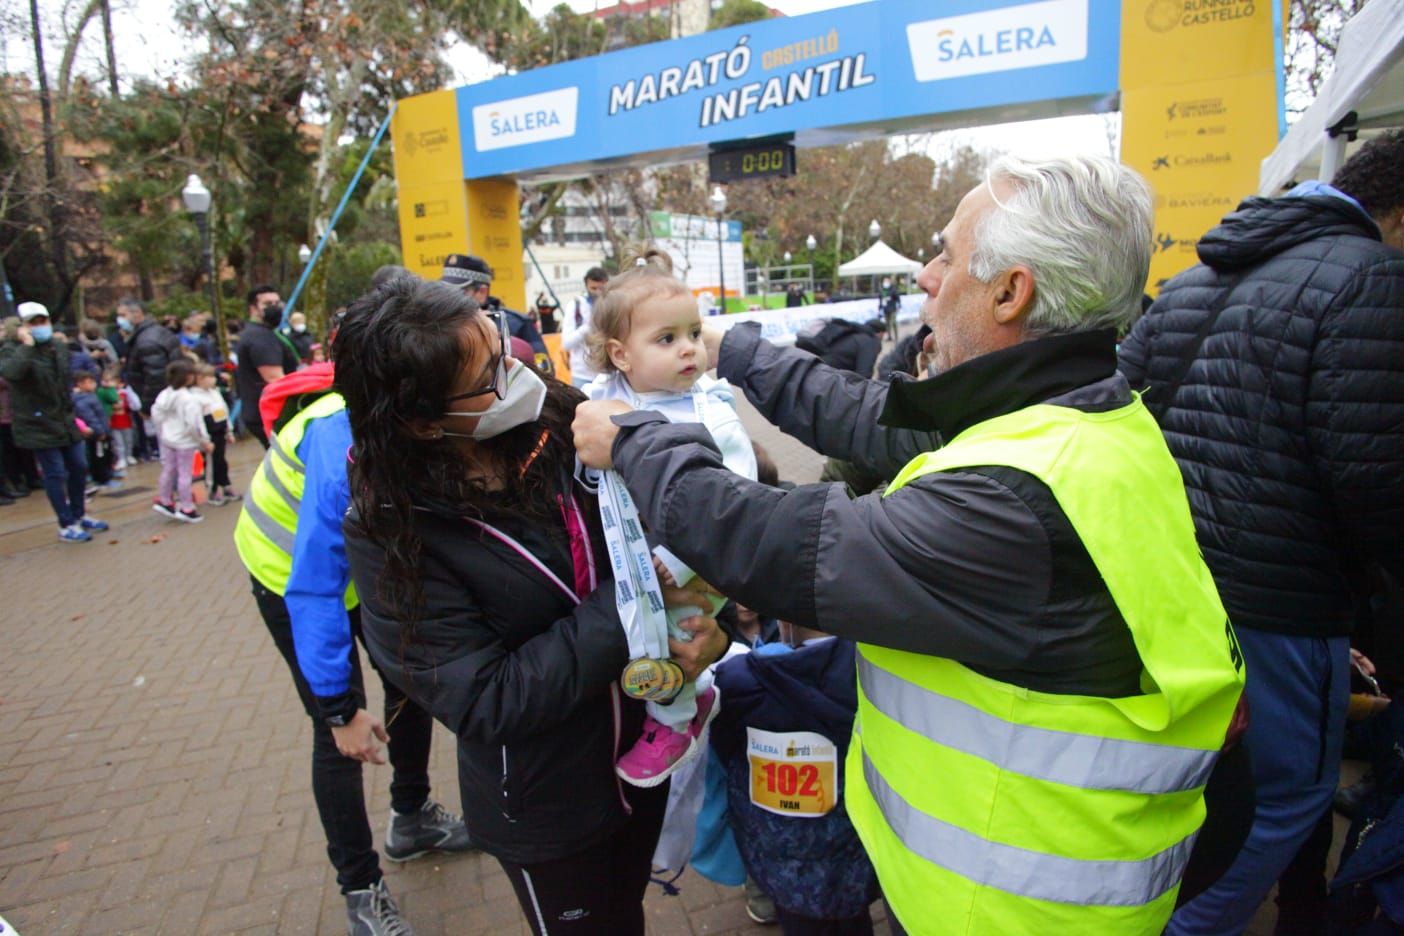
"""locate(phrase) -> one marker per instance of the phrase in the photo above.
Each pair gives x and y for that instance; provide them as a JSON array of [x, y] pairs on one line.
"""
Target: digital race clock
[[756, 161]]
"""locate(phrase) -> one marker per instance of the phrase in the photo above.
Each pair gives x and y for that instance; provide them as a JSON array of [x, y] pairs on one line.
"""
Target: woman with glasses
[[487, 598]]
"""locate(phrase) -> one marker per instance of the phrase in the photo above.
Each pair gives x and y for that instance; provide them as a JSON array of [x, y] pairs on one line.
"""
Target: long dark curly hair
[[398, 354]]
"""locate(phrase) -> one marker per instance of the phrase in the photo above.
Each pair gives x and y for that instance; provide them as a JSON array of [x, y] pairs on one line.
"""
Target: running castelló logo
[[999, 40], [531, 119]]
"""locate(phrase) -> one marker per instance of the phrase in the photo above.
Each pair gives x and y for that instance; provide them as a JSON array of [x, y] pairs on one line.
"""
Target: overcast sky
[[149, 45]]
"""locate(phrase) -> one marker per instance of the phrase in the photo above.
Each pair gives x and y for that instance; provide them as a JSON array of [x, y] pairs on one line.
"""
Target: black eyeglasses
[[496, 367]]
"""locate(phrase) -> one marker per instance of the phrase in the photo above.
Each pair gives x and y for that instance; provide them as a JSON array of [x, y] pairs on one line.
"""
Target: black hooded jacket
[[522, 676], [1289, 423]]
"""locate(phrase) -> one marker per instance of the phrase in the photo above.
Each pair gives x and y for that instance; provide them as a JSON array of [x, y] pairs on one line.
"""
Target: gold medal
[[651, 680]]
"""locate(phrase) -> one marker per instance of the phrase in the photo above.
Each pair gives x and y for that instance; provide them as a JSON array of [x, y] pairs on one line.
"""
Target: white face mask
[[526, 392]]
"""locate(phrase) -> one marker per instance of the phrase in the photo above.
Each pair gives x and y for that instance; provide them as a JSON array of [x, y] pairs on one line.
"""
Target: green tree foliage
[[737, 12]]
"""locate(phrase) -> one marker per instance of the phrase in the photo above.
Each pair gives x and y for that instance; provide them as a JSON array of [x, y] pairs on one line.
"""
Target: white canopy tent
[[1368, 80], [879, 259]]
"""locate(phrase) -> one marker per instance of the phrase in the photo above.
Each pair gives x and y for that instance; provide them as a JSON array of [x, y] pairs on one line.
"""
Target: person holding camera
[[264, 356]]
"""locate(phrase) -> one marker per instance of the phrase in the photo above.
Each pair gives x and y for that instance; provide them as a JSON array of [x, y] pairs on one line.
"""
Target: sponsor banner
[[979, 43], [530, 119], [495, 234], [1200, 146], [1173, 41], [860, 67], [426, 140], [1202, 103], [433, 224]]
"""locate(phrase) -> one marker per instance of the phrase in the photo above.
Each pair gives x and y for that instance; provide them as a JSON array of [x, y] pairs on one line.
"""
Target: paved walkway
[[154, 759]]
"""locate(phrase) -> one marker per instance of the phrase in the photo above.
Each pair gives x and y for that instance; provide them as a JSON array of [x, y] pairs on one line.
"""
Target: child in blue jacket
[[781, 740]]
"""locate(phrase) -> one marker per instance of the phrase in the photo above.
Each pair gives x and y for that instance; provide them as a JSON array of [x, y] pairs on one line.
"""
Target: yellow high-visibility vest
[[992, 809], [268, 522]]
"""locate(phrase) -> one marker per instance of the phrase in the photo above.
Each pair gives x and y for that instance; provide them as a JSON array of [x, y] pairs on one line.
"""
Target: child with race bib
[[646, 345]]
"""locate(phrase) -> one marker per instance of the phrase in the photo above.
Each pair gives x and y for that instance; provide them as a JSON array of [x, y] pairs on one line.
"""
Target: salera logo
[[999, 40], [531, 119]]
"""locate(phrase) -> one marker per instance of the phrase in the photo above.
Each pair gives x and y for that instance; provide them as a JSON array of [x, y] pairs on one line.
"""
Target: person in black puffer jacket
[[474, 553], [1286, 423], [150, 347]]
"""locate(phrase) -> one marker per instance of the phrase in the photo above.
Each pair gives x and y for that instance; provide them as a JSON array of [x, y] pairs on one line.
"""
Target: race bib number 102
[[793, 773]]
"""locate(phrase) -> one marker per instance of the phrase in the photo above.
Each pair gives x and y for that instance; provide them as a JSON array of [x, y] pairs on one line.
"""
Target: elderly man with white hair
[[1046, 674]]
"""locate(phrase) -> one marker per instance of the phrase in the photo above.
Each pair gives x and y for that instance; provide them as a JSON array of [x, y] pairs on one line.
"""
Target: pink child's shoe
[[708, 705], [657, 754]]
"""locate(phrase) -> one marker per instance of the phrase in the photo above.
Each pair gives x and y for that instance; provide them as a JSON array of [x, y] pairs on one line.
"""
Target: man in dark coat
[[1275, 370], [150, 347], [42, 403]]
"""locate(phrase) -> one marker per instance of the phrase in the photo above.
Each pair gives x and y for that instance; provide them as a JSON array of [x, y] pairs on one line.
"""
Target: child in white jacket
[[180, 428]]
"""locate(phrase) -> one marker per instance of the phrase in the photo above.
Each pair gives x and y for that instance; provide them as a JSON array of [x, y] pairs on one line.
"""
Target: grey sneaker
[[433, 828], [759, 906], [373, 912]]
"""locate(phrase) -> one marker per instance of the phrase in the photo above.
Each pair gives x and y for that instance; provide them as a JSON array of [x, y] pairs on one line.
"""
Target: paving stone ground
[[155, 761]]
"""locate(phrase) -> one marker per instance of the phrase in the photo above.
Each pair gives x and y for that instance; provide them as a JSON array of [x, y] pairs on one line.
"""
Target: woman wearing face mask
[[476, 556]]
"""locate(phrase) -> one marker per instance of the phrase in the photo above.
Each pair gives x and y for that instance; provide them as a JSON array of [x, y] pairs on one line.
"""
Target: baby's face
[[663, 350]]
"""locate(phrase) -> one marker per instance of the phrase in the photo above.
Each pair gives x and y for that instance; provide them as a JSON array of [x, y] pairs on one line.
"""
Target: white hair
[[1084, 225]]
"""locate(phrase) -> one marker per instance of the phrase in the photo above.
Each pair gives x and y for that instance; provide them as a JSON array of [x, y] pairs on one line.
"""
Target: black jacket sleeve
[[867, 355], [827, 409], [1355, 410], [924, 570]]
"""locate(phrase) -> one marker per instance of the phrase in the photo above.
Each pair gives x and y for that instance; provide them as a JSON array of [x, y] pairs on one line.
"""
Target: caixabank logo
[[534, 118], [1014, 37]]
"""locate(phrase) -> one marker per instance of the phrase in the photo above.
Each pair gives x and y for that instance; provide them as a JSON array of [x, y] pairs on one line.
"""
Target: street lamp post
[[874, 230], [197, 201], [809, 244], [718, 201], [304, 253]]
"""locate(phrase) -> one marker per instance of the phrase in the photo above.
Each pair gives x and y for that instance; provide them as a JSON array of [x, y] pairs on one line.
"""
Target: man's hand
[[707, 646], [692, 595], [712, 340], [25, 338], [358, 739], [595, 433], [207, 447]]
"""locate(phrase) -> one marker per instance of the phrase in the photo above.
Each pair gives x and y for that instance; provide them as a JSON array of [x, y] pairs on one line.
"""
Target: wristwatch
[[338, 711]]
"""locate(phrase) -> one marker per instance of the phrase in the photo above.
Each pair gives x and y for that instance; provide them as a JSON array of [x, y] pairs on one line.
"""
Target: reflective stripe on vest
[[1022, 871], [276, 448], [294, 501], [1088, 761], [281, 537], [267, 527], [990, 808]]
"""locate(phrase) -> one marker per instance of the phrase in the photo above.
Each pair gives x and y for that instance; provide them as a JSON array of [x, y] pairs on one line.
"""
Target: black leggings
[[336, 779], [218, 467], [600, 891]]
